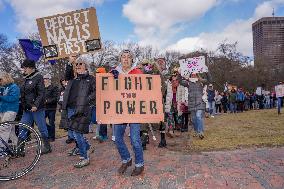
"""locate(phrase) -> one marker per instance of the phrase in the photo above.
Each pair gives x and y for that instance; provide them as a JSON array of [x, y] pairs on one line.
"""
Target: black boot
[[163, 142], [46, 147], [20, 152], [144, 135]]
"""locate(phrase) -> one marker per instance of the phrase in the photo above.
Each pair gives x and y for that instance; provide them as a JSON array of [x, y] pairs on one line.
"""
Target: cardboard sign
[[279, 90], [192, 65], [135, 98], [69, 34]]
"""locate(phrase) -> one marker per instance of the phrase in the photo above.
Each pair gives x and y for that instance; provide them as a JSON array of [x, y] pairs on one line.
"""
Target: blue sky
[[202, 24]]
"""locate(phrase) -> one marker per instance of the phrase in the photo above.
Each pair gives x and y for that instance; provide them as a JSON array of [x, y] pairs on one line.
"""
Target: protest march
[[70, 83]]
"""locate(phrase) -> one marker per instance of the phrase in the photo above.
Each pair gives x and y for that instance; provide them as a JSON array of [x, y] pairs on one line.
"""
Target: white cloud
[[239, 30], [157, 21], [28, 10]]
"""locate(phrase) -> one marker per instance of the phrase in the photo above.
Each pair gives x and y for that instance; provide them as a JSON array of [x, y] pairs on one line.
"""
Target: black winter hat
[[28, 64]]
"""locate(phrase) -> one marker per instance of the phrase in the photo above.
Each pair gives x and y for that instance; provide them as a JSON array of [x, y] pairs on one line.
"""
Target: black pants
[[50, 114], [225, 107], [218, 107], [184, 121], [103, 130]]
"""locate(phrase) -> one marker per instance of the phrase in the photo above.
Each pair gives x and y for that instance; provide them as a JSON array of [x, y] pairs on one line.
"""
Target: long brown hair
[[6, 78]]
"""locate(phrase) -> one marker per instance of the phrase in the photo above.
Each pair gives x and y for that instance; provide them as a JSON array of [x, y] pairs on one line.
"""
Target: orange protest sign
[[68, 34], [129, 99]]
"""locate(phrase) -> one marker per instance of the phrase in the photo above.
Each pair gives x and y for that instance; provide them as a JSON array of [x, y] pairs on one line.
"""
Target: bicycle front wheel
[[18, 156]]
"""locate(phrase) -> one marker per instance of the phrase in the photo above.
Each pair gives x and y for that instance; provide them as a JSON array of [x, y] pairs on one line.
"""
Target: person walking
[[78, 99], [196, 105], [218, 99], [51, 98], [233, 101], [33, 100], [211, 100], [126, 59]]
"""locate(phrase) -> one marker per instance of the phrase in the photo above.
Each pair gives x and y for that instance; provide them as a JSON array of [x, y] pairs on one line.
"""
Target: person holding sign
[[196, 104], [78, 99], [125, 67]]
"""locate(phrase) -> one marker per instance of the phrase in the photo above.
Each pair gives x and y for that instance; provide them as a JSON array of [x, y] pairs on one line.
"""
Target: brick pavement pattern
[[165, 169]]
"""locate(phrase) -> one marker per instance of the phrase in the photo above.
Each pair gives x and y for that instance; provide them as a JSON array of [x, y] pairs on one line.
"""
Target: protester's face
[[80, 67], [161, 63], [126, 60], [27, 70], [46, 81]]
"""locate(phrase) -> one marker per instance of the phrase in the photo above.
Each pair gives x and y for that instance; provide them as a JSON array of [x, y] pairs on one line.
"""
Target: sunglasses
[[79, 64]]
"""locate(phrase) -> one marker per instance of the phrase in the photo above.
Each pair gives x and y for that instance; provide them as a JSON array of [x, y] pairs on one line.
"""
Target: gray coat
[[195, 93]]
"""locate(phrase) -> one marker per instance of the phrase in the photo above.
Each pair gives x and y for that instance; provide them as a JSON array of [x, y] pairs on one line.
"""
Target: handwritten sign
[[279, 90], [69, 34], [135, 98], [192, 65]]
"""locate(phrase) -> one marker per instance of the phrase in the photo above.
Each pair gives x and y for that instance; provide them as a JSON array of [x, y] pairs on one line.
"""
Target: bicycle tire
[[39, 142]]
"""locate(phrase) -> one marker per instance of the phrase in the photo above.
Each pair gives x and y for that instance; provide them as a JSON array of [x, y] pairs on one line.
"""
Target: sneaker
[[113, 138], [201, 136], [212, 116], [74, 152], [82, 163]]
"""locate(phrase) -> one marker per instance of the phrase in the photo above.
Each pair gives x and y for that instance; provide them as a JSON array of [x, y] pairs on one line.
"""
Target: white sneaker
[[212, 116], [113, 138]]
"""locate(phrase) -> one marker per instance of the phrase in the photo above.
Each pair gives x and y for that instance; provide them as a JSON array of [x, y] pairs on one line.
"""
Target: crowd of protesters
[[185, 99]]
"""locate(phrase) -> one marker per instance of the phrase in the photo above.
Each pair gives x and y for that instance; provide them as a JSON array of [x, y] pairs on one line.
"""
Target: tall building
[[268, 42]]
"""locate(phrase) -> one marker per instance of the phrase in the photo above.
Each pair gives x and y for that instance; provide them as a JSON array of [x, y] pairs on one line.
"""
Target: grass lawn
[[234, 131], [257, 128]]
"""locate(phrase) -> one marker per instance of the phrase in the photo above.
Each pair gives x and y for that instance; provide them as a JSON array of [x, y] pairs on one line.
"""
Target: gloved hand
[[115, 73]]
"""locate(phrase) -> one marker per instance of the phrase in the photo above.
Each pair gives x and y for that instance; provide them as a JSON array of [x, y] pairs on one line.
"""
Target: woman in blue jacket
[[9, 106]]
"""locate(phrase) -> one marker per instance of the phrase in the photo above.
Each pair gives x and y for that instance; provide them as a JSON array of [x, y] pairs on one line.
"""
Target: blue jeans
[[278, 104], [50, 114], [197, 120], [81, 141], [135, 142], [211, 107], [233, 107], [39, 118]]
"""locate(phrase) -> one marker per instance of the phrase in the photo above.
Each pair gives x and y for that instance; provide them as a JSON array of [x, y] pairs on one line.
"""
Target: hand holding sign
[[68, 34], [193, 65]]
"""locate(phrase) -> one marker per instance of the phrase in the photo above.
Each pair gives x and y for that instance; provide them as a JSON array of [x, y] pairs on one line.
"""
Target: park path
[[247, 168]]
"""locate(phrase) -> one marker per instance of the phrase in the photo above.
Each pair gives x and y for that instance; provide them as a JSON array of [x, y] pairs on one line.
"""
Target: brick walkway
[[249, 168]]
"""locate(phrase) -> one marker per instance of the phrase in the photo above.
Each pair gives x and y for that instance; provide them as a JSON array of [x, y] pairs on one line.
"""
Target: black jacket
[[33, 92], [86, 99], [51, 97], [69, 74]]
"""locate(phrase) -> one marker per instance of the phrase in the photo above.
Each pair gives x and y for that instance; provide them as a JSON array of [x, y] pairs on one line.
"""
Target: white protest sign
[[279, 90], [193, 65], [258, 91], [68, 34]]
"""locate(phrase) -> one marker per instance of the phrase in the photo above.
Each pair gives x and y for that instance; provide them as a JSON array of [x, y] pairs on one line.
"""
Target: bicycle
[[18, 157]]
